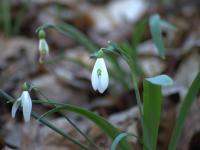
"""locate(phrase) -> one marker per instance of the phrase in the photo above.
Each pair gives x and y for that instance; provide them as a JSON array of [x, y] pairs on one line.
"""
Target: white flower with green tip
[[26, 103], [99, 76], [43, 47]]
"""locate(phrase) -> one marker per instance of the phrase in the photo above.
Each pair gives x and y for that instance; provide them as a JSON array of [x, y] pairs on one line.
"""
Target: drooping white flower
[[26, 103], [99, 76], [43, 46], [43, 49]]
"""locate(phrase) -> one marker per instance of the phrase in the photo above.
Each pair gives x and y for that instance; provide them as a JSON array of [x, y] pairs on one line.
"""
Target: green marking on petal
[[99, 72]]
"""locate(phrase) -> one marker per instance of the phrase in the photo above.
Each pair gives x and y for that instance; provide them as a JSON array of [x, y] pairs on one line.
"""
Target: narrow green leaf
[[108, 128], [78, 36], [134, 58], [154, 23], [137, 35], [117, 67], [162, 80], [138, 32], [118, 139], [152, 108], [73, 33], [127, 49], [186, 105], [165, 24], [6, 16], [20, 16]]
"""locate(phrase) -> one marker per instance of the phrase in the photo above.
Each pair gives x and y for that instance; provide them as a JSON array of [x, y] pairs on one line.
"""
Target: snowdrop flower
[[99, 76], [25, 102], [43, 46]]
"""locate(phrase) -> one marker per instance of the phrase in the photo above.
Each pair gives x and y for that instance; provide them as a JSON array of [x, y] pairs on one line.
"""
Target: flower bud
[[43, 50], [41, 34]]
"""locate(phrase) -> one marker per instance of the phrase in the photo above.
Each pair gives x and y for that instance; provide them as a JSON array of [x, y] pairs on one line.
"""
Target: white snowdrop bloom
[[43, 49], [99, 76], [26, 103], [43, 46]]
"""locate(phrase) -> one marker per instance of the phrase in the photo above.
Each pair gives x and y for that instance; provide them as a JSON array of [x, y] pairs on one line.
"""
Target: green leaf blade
[[152, 108], [108, 128], [162, 80], [78, 36], [154, 23], [138, 33], [73, 33], [167, 25], [186, 105], [117, 140]]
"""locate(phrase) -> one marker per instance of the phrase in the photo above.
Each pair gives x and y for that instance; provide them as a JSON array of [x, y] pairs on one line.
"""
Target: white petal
[[43, 46], [103, 84], [27, 105], [94, 78], [15, 107]]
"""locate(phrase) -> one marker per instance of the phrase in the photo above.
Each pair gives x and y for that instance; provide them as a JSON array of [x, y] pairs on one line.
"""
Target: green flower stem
[[42, 101], [138, 99], [69, 120], [137, 93], [130, 62], [139, 103], [8, 98]]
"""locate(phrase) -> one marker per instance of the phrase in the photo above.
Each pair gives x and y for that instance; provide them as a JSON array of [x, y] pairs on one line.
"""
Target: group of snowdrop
[[99, 80]]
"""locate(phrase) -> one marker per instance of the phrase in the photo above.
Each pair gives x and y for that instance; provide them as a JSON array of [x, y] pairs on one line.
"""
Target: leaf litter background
[[69, 81]]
